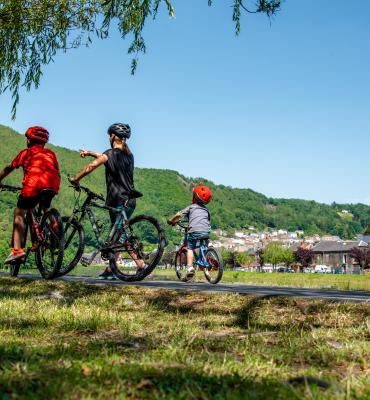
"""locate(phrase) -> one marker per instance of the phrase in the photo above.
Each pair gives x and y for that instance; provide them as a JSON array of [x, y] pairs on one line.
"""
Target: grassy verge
[[320, 281], [330, 281], [67, 340]]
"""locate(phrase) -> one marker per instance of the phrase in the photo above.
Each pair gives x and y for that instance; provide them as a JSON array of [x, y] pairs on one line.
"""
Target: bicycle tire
[[161, 243], [180, 264], [54, 241], [214, 258], [14, 269], [78, 229]]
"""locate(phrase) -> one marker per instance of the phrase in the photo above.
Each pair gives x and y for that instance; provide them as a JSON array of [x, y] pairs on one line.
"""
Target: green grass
[[98, 342], [323, 281], [327, 281]]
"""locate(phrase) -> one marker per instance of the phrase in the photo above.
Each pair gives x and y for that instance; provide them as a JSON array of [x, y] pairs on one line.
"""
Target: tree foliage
[[32, 32], [275, 253], [362, 256], [244, 259], [367, 230], [304, 256]]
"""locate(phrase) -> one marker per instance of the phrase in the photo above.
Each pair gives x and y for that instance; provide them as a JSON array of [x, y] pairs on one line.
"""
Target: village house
[[336, 255]]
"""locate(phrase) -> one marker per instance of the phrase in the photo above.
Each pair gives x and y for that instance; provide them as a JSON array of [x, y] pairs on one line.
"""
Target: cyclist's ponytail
[[122, 143], [125, 148]]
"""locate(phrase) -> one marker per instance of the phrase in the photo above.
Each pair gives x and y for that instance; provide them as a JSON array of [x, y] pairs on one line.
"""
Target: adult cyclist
[[41, 171], [119, 176]]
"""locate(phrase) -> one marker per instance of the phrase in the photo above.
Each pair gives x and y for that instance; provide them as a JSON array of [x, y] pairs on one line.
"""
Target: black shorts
[[44, 198]]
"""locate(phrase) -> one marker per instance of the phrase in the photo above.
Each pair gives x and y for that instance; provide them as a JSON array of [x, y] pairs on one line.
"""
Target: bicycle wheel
[[180, 264], [214, 272], [74, 244], [49, 254], [143, 241]]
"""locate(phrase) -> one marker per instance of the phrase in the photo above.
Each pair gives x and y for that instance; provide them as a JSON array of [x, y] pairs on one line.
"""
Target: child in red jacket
[[41, 171]]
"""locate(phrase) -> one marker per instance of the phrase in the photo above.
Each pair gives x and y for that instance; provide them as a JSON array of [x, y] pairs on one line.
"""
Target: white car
[[322, 269]]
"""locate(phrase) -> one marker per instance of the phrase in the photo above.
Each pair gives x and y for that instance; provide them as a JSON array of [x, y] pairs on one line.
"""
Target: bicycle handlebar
[[87, 191], [8, 188], [182, 224]]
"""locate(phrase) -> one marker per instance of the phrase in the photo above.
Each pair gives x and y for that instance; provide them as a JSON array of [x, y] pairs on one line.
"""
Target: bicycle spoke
[[142, 247]]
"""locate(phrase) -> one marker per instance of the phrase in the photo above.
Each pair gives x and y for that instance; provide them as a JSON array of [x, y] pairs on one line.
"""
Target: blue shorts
[[194, 238]]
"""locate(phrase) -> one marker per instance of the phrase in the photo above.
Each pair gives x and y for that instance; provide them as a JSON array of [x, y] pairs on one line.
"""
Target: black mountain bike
[[130, 242], [47, 238]]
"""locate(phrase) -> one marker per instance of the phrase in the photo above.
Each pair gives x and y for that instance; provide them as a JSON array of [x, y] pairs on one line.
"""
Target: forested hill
[[167, 191]]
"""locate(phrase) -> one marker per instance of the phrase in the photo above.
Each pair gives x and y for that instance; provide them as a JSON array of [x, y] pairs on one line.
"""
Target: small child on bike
[[199, 219], [41, 171]]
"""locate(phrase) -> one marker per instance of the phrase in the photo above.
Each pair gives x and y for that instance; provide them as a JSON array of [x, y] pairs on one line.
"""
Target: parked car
[[267, 268], [285, 269], [322, 269]]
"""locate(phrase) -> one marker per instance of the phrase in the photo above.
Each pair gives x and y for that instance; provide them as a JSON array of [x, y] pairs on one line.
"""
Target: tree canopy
[[275, 253], [32, 32]]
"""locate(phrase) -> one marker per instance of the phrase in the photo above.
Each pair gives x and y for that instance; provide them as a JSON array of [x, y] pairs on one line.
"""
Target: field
[[329, 281], [73, 341]]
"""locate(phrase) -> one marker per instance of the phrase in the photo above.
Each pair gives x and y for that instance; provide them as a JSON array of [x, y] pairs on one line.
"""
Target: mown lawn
[[327, 281], [63, 340]]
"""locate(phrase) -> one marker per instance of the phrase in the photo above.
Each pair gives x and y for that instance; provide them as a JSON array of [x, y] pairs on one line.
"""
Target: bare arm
[[5, 172], [174, 219], [88, 153], [101, 159]]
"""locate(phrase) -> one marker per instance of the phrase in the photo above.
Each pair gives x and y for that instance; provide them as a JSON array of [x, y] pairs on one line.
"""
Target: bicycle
[[208, 259], [129, 241], [47, 238]]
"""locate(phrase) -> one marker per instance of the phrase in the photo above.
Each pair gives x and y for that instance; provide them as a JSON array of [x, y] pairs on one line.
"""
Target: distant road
[[323, 294]]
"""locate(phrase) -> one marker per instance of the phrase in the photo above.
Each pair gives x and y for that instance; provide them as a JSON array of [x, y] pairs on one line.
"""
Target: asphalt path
[[251, 290]]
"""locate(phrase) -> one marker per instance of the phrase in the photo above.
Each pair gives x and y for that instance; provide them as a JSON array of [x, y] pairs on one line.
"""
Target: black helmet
[[123, 131]]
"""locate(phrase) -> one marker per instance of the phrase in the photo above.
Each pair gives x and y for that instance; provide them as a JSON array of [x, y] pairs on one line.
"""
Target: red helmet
[[202, 194], [38, 133]]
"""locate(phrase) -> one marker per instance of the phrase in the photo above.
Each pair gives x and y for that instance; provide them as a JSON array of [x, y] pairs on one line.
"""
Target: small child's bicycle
[[208, 259]]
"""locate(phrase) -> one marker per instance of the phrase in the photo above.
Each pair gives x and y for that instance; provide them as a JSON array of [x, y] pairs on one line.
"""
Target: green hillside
[[167, 191]]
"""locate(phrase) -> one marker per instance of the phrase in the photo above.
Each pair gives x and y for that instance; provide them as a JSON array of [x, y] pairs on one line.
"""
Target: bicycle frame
[[32, 222], [200, 258], [121, 220]]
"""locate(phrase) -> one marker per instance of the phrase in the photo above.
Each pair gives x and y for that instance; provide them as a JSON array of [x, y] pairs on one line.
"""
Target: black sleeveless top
[[119, 176]]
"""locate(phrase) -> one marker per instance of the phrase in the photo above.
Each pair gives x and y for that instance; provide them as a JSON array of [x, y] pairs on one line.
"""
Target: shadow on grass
[[61, 376], [23, 288], [184, 303], [307, 312]]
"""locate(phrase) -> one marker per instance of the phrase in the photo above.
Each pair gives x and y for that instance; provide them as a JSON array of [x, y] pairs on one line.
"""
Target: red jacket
[[41, 170]]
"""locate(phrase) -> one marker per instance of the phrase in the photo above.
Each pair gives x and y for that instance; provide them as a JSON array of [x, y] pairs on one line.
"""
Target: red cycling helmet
[[202, 194], [37, 133]]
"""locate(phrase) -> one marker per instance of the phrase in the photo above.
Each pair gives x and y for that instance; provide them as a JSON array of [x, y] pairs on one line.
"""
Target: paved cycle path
[[310, 293]]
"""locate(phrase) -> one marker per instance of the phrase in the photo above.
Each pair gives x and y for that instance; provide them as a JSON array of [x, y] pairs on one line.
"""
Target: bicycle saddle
[[47, 192], [205, 237], [135, 194]]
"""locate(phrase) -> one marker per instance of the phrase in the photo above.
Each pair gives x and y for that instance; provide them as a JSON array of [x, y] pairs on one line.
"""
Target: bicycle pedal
[[86, 261]]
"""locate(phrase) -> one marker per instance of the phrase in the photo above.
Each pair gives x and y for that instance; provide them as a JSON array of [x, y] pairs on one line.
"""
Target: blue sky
[[283, 108]]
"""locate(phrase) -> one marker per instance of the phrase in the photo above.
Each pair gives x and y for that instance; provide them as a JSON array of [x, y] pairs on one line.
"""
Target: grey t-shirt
[[199, 218]]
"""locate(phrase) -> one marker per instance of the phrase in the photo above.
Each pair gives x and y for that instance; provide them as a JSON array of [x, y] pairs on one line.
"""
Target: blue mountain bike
[[207, 259]]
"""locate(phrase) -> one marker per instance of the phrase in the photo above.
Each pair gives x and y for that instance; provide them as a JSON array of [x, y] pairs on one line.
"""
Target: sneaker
[[15, 256], [107, 275], [190, 272], [112, 277]]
